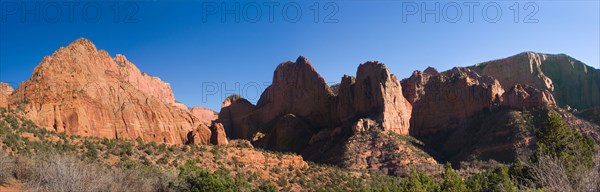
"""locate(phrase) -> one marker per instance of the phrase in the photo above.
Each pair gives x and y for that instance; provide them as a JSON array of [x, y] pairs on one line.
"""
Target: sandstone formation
[[374, 93], [5, 91], [297, 89], [525, 96], [447, 101], [363, 125], [181, 106], [571, 82], [150, 85], [379, 92], [201, 135], [83, 91], [300, 113], [218, 136], [204, 114], [463, 115], [235, 117]]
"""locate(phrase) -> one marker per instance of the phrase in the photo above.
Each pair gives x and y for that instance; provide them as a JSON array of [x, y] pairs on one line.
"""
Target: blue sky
[[187, 44]]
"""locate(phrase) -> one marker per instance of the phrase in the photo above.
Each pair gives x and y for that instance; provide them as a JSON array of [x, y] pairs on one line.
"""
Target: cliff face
[[447, 101], [525, 96], [462, 114], [204, 114], [300, 113], [5, 91], [83, 91], [571, 82]]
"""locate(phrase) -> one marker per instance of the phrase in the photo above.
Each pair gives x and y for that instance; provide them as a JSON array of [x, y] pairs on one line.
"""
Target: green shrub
[[194, 178], [452, 181], [492, 180], [567, 144], [268, 187], [92, 152], [419, 182], [562, 160]]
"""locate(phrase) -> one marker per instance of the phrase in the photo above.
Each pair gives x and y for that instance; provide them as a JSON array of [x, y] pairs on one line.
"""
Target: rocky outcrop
[[204, 114], [571, 82], [300, 113], [5, 91], [235, 117], [201, 135], [371, 148], [525, 96], [218, 136], [374, 93], [413, 87], [297, 89], [379, 93], [431, 71], [363, 125], [83, 91], [447, 101]]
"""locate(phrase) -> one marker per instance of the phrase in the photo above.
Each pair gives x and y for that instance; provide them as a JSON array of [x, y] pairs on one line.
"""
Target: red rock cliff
[[83, 91]]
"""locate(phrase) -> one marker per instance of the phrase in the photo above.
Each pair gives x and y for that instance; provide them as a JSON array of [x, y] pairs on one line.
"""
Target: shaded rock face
[[464, 115], [289, 134], [218, 136], [501, 135], [235, 117], [571, 82], [299, 112], [447, 101], [83, 91], [204, 114], [525, 96], [5, 91], [297, 89]]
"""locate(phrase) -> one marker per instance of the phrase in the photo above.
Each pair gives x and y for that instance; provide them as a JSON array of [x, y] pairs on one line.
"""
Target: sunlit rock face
[[83, 91], [570, 81]]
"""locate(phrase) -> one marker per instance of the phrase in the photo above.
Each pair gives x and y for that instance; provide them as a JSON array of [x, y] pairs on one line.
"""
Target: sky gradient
[[187, 44]]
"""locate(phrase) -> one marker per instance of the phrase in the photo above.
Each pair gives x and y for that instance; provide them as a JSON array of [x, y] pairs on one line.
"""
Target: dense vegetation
[[48, 161]]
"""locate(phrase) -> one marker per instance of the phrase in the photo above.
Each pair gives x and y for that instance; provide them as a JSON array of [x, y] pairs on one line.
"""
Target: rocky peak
[[231, 100], [299, 112], [378, 91], [298, 89], [431, 71], [83, 91], [82, 44], [235, 118]]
